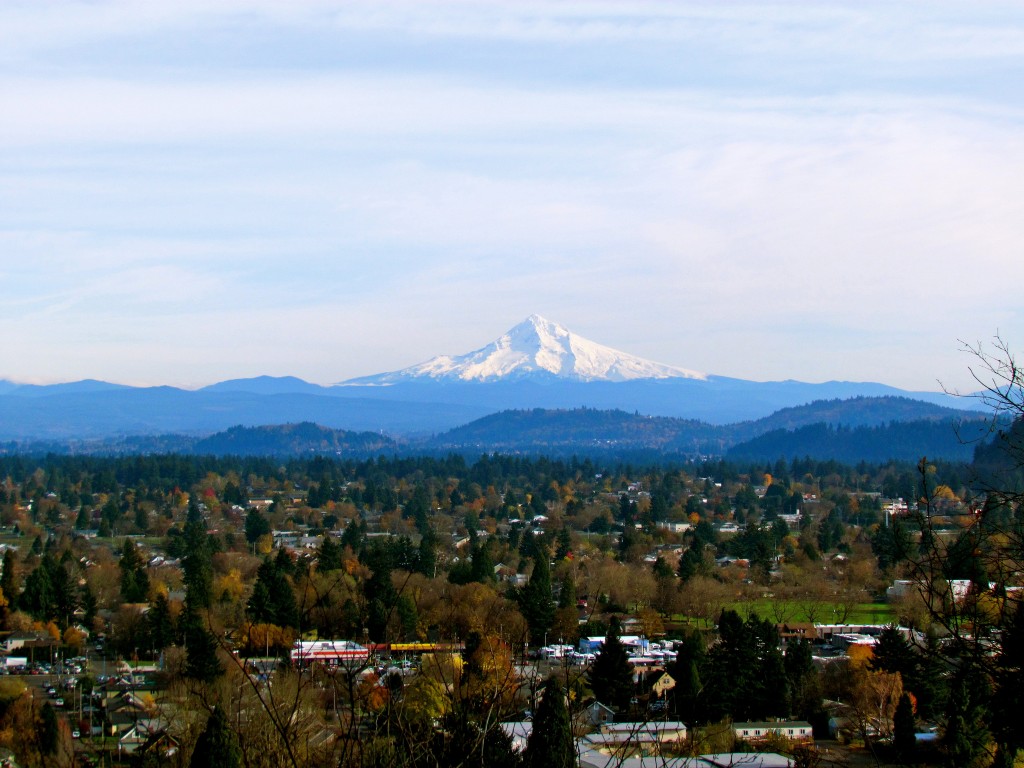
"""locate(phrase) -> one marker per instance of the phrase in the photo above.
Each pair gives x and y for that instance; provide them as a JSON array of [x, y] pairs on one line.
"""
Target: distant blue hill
[[94, 409], [161, 410], [716, 400], [268, 385], [863, 428], [305, 439], [68, 388], [853, 430]]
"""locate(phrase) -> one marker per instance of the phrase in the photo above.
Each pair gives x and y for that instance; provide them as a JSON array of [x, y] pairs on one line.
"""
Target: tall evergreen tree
[[329, 557], [746, 677], [931, 686], [893, 653], [567, 592], [967, 740], [217, 746], [686, 696], [611, 674], [49, 731], [197, 566], [9, 579], [66, 594], [904, 727], [89, 605], [354, 536], [551, 743], [564, 546], [535, 600], [691, 561], [201, 662], [426, 562], [160, 624], [687, 690], [37, 597], [1008, 697], [481, 563], [256, 525], [134, 579], [802, 678], [273, 601]]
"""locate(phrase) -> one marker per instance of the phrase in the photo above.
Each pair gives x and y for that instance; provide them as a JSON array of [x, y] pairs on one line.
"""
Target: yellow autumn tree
[[490, 682], [859, 655], [74, 638], [229, 585], [371, 693]]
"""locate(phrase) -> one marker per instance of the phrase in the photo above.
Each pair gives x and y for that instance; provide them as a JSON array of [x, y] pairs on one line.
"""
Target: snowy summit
[[540, 349]]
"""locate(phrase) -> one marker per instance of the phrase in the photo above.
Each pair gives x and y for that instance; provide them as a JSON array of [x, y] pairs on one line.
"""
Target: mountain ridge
[[537, 364], [534, 348], [872, 429]]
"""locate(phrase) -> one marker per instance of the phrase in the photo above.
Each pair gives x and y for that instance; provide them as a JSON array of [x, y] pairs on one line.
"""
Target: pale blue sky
[[195, 191]]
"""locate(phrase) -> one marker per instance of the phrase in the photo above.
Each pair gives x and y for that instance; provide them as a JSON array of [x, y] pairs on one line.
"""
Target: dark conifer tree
[[196, 564], [9, 579], [201, 662], [273, 601], [746, 677], [686, 696], [134, 579], [611, 674], [931, 686], [802, 678], [49, 731], [160, 624], [232, 493], [535, 601], [256, 525], [551, 743], [967, 737], [329, 557], [482, 563], [37, 598], [690, 561], [426, 561], [354, 536], [1008, 698], [564, 546], [379, 590], [904, 727], [217, 746], [66, 594], [89, 605], [567, 592]]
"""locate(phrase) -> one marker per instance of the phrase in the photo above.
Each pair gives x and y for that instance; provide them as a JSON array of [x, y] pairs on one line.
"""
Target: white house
[[795, 730]]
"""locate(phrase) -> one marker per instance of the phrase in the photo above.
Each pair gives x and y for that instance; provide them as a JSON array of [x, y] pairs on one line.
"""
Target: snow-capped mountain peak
[[536, 348]]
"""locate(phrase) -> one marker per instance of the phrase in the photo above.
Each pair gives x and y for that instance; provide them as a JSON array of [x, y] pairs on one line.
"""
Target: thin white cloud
[[940, 26]]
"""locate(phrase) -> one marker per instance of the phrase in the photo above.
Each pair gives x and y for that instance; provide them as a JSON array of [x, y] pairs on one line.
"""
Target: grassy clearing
[[796, 611]]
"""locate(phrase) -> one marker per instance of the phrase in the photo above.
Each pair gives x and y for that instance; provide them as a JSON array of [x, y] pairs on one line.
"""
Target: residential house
[[141, 733], [599, 714], [635, 739], [794, 730], [654, 685]]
